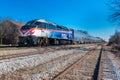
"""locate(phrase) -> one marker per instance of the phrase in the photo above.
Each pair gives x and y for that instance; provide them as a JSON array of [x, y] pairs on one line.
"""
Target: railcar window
[[36, 24], [59, 28], [51, 27], [64, 28], [42, 25], [55, 27], [47, 26]]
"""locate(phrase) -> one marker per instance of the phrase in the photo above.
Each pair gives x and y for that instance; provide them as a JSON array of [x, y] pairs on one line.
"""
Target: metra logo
[[64, 36]]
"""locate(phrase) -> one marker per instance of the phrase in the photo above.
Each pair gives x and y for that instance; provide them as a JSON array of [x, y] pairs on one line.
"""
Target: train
[[42, 32]]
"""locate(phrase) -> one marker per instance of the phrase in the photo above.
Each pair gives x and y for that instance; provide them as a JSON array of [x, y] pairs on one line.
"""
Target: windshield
[[30, 24]]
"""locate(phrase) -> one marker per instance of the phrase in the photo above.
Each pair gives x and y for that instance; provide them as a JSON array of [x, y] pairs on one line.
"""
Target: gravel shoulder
[[111, 65], [115, 63], [6, 52]]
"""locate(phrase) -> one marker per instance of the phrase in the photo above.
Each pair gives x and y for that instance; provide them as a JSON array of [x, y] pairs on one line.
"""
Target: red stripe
[[51, 30]]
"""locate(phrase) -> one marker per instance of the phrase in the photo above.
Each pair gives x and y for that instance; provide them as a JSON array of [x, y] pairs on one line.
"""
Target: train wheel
[[40, 42], [20, 44], [45, 41]]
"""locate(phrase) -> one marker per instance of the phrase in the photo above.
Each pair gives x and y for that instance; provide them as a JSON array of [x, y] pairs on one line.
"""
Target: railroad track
[[46, 63], [50, 46], [2, 57], [76, 64], [107, 69], [74, 71]]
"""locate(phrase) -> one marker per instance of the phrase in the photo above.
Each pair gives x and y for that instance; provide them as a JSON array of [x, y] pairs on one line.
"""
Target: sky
[[88, 15]]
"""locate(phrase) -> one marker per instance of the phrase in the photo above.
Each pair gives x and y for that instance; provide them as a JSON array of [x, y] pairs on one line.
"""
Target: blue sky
[[88, 15]]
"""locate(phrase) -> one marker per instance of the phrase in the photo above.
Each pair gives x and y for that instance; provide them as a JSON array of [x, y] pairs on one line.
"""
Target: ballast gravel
[[11, 65], [49, 73]]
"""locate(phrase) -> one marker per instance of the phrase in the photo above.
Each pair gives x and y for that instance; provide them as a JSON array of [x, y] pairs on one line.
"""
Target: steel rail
[[68, 69], [99, 75], [2, 57], [65, 71]]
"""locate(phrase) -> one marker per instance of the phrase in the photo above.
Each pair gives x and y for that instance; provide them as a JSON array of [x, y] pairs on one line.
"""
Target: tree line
[[114, 6], [114, 40]]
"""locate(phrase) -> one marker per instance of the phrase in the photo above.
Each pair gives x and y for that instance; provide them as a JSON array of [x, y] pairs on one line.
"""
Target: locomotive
[[42, 32]]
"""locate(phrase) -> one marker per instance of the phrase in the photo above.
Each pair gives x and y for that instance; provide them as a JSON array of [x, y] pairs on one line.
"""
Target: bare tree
[[114, 40], [114, 6], [8, 31], [2, 30]]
